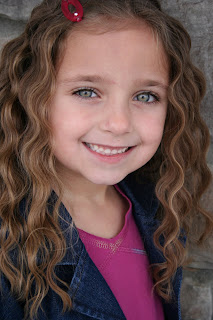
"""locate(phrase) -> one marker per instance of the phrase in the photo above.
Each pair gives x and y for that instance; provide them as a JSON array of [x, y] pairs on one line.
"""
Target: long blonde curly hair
[[27, 164]]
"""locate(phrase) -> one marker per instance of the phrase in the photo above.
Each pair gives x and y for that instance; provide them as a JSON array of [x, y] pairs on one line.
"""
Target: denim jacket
[[91, 296]]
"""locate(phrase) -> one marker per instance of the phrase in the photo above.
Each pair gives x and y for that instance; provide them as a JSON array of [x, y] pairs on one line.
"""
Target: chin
[[109, 181]]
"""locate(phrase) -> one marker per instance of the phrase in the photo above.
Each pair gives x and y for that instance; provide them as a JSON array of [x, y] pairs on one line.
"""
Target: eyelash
[[156, 97], [84, 89]]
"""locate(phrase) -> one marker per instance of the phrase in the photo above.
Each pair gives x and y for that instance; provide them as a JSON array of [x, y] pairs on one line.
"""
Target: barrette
[[77, 15]]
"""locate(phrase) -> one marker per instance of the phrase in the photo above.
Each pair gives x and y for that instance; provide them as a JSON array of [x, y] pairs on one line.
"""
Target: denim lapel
[[91, 294], [145, 205], [89, 291]]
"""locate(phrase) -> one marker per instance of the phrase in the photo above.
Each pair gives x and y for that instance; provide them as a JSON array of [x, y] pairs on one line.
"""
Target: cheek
[[68, 129], [69, 115], [151, 128]]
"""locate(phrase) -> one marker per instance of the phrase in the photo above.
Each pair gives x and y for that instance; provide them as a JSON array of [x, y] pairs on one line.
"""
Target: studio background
[[197, 17]]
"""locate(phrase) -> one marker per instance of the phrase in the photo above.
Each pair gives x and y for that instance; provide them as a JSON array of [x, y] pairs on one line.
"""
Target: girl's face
[[111, 95]]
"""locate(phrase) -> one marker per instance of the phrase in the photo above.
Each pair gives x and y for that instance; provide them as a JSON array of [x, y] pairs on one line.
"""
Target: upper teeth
[[107, 150]]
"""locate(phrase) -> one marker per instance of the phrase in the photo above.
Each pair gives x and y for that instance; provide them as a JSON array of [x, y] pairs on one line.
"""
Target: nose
[[116, 118]]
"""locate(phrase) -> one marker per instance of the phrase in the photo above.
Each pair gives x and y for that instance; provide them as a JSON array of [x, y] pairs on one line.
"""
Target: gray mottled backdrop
[[197, 17]]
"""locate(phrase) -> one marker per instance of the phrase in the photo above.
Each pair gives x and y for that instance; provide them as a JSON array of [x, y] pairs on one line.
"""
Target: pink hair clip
[[77, 15]]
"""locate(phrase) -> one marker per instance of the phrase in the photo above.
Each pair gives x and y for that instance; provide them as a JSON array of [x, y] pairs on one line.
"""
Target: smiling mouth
[[108, 151]]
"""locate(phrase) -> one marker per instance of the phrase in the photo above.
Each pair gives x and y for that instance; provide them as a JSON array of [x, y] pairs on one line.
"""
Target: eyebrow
[[87, 78], [103, 79], [151, 83]]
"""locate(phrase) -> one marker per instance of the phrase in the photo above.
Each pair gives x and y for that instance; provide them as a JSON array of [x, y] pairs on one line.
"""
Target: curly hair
[[28, 72]]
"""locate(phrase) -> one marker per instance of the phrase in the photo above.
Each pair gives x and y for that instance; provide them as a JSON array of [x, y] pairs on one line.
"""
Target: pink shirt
[[123, 263]]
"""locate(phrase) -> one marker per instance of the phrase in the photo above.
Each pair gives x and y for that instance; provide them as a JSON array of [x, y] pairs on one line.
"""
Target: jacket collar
[[145, 205]]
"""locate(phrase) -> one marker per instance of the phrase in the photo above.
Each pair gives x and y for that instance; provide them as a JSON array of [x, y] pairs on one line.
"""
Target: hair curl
[[27, 164]]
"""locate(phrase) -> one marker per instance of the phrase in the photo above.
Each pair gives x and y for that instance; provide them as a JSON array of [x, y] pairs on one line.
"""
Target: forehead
[[122, 51]]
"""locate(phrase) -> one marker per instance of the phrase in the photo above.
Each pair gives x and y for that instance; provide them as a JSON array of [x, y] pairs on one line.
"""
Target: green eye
[[146, 97], [86, 93]]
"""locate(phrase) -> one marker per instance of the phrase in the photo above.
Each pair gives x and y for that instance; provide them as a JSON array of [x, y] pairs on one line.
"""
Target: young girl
[[102, 162]]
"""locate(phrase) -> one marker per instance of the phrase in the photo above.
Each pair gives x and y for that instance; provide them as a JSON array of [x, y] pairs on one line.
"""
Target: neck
[[77, 189], [88, 202]]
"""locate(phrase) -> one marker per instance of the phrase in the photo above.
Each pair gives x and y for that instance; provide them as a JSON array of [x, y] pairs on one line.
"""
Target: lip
[[110, 159], [108, 146]]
